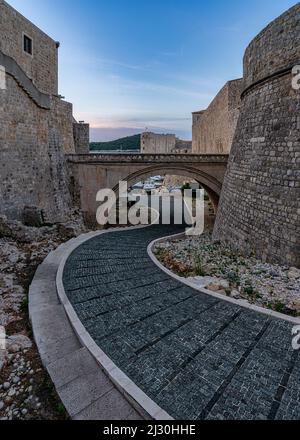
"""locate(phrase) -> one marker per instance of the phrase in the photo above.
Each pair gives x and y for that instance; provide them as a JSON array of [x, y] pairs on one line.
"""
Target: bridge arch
[[91, 172], [211, 185]]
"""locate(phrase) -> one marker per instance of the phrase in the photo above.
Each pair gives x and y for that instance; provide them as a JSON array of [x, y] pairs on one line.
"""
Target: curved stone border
[[237, 302]]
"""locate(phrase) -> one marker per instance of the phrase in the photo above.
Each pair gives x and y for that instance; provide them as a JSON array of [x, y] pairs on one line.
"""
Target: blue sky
[[127, 65]]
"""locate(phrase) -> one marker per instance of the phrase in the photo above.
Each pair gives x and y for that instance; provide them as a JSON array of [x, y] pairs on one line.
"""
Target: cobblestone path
[[195, 356]]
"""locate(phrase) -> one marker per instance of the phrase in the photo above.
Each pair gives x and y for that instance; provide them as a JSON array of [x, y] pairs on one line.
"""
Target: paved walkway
[[196, 356]]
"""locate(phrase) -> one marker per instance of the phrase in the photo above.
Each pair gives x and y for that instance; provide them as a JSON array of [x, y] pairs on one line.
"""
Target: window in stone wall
[[27, 45]]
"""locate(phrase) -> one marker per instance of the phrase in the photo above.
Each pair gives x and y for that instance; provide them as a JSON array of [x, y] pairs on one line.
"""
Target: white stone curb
[[238, 302]]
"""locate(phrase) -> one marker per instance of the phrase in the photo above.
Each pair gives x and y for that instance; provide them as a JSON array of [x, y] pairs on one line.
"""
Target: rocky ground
[[26, 391], [218, 268]]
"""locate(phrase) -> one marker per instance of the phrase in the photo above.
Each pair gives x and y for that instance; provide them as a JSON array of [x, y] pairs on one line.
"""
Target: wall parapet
[[272, 76], [274, 49], [146, 158]]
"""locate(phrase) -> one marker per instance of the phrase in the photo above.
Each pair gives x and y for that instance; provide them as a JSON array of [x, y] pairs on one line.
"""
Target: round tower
[[259, 210]]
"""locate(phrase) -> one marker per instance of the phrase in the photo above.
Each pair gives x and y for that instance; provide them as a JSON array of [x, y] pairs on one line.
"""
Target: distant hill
[[126, 143]]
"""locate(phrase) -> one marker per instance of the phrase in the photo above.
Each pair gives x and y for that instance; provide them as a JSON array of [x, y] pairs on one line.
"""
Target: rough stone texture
[[259, 208], [33, 216], [81, 133], [153, 143], [275, 48], [177, 181], [61, 119], [182, 146], [157, 143], [213, 129], [32, 155], [33, 139]]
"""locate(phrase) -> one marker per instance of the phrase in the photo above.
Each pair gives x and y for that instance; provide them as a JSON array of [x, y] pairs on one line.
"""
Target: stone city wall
[[259, 209], [182, 147], [41, 66], [32, 156], [81, 134], [36, 126], [152, 143], [213, 129]]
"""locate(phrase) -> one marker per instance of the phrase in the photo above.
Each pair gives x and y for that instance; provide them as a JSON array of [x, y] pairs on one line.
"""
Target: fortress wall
[[213, 129], [152, 143], [259, 210], [182, 146], [36, 126], [32, 167], [275, 48], [81, 134], [62, 119], [41, 67]]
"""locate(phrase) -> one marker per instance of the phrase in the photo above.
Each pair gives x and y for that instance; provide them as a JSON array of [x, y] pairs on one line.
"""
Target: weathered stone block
[[33, 216]]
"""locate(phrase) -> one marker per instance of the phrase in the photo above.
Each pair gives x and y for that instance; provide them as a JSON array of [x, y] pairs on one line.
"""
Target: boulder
[[33, 216], [14, 229], [24, 234], [17, 343], [69, 230], [294, 273], [296, 306], [202, 281], [3, 359], [214, 287], [219, 285], [235, 294]]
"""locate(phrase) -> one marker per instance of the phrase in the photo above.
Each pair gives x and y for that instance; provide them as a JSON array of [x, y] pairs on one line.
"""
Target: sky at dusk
[[128, 65]]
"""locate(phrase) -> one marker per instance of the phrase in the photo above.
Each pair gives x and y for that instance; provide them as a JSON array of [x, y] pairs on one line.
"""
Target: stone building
[[36, 125], [153, 143], [213, 129], [259, 209], [182, 147]]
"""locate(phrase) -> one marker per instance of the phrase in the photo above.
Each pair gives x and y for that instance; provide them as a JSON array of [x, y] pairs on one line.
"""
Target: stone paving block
[[50, 325], [112, 406], [289, 408], [118, 348], [84, 390], [59, 349], [72, 366]]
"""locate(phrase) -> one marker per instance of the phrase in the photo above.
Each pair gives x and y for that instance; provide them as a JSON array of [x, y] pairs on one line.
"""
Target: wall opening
[[27, 44], [166, 185]]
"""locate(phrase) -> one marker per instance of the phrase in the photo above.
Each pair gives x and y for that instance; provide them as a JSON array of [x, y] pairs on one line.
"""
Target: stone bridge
[[92, 172]]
